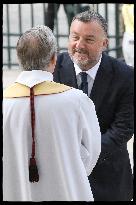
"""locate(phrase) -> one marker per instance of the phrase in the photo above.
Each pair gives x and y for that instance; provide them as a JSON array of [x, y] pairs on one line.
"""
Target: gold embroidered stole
[[45, 88]]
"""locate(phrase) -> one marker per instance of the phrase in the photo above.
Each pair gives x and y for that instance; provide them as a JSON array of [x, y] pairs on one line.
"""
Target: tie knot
[[83, 77]]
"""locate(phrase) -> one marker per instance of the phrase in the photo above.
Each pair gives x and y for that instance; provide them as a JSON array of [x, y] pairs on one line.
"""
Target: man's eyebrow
[[90, 36], [87, 36], [73, 32]]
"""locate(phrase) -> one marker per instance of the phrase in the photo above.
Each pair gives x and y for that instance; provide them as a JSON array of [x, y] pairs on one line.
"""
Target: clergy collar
[[91, 72], [31, 78]]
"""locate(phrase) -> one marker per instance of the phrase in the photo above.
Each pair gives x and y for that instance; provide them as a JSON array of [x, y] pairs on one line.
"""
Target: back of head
[[89, 16], [35, 48]]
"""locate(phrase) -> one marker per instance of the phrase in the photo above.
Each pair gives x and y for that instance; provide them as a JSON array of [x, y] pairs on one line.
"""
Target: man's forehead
[[90, 27], [76, 23]]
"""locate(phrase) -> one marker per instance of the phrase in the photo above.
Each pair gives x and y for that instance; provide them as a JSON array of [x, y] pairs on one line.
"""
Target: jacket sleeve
[[90, 134], [122, 127]]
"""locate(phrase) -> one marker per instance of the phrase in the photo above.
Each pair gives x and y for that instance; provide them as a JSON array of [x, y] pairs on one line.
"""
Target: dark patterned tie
[[84, 83]]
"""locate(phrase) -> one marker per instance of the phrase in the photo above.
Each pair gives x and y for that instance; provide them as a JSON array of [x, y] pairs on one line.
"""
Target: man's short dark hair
[[88, 16]]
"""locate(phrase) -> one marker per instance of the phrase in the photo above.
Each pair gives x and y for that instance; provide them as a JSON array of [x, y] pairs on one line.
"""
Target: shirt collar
[[31, 78], [91, 72]]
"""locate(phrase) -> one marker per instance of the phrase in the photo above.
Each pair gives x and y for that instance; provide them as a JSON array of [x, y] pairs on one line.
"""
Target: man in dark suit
[[109, 83]]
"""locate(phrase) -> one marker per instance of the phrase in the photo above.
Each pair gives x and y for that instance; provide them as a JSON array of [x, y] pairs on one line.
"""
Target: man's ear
[[105, 43], [54, 59]]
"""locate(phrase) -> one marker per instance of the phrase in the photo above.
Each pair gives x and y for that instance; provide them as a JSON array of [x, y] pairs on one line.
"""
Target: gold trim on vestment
[[45, 88]]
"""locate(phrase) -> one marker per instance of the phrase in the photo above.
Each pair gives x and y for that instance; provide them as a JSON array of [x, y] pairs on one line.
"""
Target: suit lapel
[[67, 72], [101, 83]]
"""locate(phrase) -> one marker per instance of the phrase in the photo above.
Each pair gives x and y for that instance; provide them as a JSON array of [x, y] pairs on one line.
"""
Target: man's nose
[[80, 44]]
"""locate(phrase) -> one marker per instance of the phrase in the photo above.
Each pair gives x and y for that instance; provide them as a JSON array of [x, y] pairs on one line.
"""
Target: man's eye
[[90, 40], [74, 37]]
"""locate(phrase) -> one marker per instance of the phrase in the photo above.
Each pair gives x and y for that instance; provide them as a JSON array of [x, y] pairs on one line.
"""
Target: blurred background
[[17, 18]]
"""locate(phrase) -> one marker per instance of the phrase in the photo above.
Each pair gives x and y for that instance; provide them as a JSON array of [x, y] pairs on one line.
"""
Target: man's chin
[[80, 62], [78, 57]]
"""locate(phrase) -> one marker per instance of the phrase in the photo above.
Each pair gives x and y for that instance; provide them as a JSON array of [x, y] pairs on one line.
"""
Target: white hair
[[36, 47]]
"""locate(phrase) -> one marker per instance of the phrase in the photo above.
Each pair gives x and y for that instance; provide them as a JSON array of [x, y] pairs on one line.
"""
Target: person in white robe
[[67, 133]]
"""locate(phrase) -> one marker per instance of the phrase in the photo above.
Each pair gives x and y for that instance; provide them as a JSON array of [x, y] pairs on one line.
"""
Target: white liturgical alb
[[67, 143]]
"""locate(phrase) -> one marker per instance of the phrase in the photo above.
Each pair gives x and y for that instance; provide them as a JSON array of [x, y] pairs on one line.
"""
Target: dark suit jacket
[[112, 94]]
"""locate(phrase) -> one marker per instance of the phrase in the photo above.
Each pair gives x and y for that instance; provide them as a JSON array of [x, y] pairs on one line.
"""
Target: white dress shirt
[[90, 77]]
